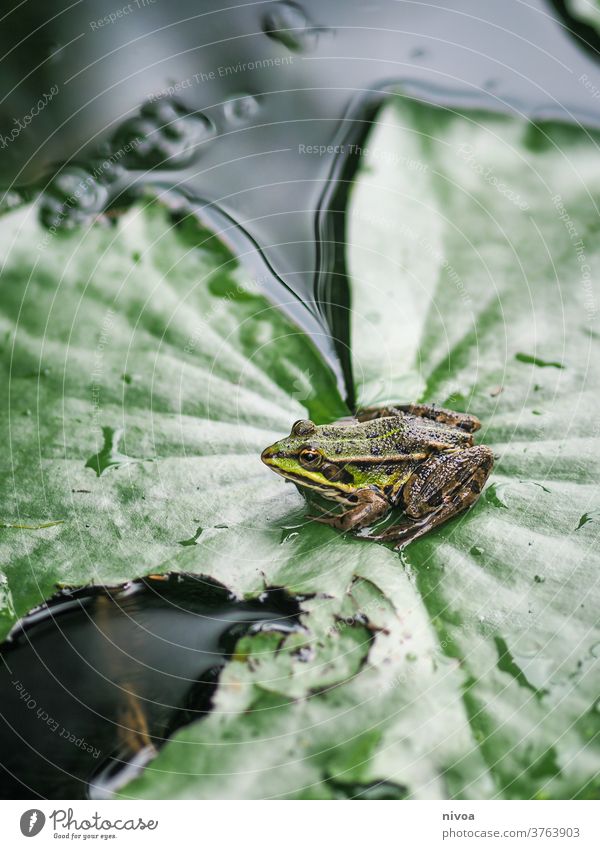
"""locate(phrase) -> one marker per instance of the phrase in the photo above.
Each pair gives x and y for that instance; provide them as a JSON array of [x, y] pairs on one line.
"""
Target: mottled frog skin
[[417, 457]]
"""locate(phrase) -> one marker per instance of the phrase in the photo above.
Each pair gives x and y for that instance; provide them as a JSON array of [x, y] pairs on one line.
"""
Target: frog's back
[[393, 435]]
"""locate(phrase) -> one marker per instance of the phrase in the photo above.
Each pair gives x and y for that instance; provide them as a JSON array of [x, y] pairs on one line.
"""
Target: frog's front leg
[[369, 505], [445, 485], [464, 421]]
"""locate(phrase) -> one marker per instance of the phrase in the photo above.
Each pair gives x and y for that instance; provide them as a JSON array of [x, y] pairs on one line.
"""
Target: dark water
[[94, 682], [248, 111]]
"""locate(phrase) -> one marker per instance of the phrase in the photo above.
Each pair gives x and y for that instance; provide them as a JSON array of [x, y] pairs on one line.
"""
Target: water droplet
[[108, 170], [193, 540], [241, 109], [71, 199], [37, 527], [288, 535], [165, 133], [10, 200], [537, 361], [496, 495], [288, 23], [110, 456], [507, 663], [535, 483], [305, 654], [592, 516]]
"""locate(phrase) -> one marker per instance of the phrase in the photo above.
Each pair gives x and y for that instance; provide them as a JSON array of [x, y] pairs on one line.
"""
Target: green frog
[[418, 457]]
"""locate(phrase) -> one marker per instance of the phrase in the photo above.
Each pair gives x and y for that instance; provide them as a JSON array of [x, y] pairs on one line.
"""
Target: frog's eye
[[310, 459], [303, 427]]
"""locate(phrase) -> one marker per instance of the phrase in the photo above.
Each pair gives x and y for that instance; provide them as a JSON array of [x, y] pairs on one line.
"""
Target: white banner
[[297, 825]]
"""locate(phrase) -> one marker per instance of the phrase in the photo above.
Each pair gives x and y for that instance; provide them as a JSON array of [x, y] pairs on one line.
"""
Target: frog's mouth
[[308, 480]]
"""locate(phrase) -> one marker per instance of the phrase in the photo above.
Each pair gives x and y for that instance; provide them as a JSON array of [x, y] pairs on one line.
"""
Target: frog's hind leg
[[445, 485], [464, 421]]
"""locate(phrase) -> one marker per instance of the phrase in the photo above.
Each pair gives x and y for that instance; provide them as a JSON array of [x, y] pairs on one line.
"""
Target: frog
[[420, 458]]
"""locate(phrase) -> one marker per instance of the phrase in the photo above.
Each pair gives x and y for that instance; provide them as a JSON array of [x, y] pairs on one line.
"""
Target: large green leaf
[[587, 11], [469, 671]]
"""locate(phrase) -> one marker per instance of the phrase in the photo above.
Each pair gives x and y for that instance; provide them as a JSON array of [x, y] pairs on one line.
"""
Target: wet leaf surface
[[463, 667]]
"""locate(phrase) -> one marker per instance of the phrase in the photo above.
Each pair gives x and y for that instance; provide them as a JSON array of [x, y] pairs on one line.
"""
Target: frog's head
[[311, 456]]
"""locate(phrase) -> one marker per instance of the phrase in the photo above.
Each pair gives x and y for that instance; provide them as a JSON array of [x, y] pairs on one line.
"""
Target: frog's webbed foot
[[404, 532], [464, 421], [370, 505], [442, 487]]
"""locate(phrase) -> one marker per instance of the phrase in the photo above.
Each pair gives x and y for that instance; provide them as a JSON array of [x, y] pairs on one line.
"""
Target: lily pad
[[447, 671]]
